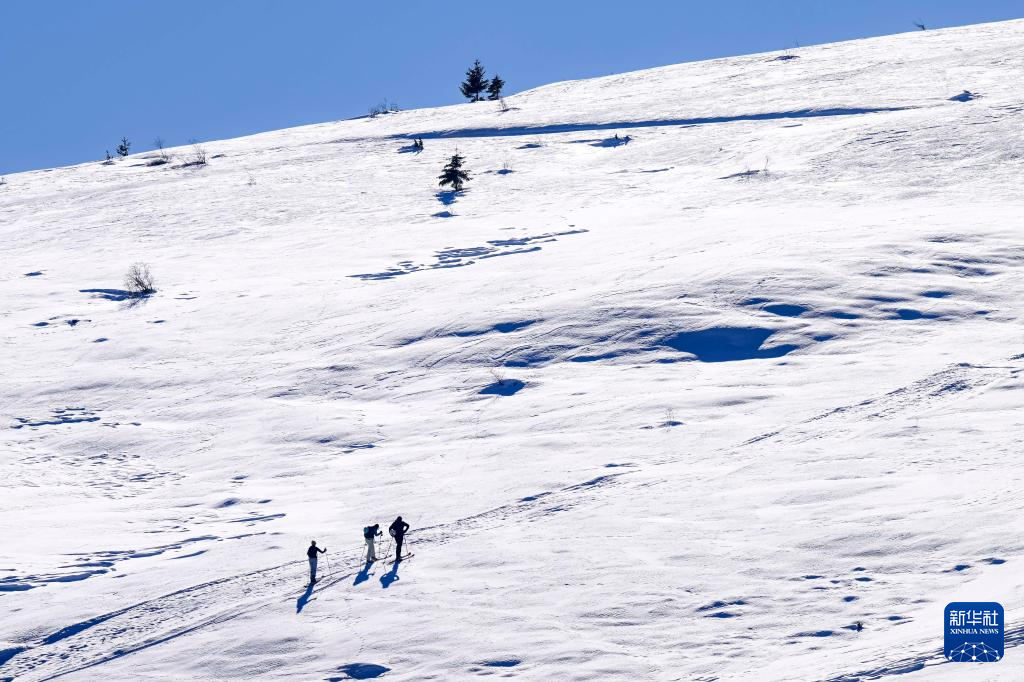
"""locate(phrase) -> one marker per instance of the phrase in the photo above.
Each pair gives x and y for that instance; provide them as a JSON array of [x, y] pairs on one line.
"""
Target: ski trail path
[[115, 634]]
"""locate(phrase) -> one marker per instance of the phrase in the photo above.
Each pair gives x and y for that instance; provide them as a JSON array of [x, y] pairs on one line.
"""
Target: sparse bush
[[3, 181], [123, 147], [384, 107], [198, 155], [503, 105], [161, 151], [920, 25], [475, 84], [138, 281], [452, 174], [252, 180]]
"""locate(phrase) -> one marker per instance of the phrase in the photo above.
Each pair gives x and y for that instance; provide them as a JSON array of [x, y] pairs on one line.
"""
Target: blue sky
[[76, 75]]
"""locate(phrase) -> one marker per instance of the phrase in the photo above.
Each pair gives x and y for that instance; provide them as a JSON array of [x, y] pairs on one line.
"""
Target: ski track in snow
[[109, 636], [126, 631]]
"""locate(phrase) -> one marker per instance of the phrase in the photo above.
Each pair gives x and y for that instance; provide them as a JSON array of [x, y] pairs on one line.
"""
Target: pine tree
[[122, 149], [494, 88], [475, 82], [453, 174]]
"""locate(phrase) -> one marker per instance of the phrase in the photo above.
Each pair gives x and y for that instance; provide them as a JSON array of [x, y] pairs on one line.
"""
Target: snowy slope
[[683, 404]]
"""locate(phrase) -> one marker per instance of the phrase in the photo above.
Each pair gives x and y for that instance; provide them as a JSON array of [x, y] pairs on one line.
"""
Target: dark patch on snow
[[719, 604], [35, 273], [447, 197], [785, 309], [504, 387], [849, 598], [935, 294], [743, 175], [110, 294], [64, 415], [359, 671], [994, 561], [911, 314], [615, 141], [841, 315], [965, 96], [727, 344], [506, 663], [461, 257], [650, 123]]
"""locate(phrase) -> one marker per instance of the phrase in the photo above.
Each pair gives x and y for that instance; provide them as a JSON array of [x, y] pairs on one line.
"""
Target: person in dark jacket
[[398, 529], [369, 534], [312, 554]]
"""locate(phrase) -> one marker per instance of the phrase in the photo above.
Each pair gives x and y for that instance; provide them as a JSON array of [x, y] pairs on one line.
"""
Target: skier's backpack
[[367, 532]]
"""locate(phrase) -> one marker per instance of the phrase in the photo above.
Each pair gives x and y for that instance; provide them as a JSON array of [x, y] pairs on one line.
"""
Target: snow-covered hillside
[[709, 363]]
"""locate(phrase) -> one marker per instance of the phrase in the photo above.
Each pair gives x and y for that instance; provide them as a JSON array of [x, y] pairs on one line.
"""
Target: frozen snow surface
[[707, 364]]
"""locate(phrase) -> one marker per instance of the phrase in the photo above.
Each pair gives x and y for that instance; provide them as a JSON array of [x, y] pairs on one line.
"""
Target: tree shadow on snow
[[447, 198], [109, 294], [129, 299]]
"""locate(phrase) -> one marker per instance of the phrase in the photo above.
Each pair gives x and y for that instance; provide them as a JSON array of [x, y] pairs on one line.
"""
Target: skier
[[311, 553], [398, 530], [369, 533]]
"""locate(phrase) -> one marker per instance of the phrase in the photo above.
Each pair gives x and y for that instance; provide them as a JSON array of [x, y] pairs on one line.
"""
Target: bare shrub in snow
[[162, 154], [3, 181], [920, 25], [384, 107], [138, 281], [503, 105], [198, 155]]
